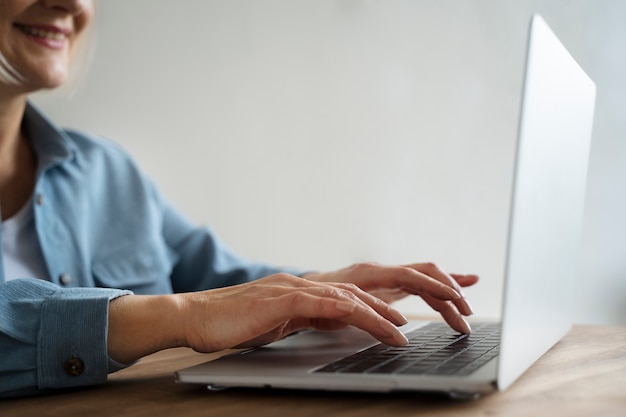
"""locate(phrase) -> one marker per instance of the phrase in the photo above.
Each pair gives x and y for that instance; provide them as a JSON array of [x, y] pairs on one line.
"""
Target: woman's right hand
[[269, 309], [245, 315]]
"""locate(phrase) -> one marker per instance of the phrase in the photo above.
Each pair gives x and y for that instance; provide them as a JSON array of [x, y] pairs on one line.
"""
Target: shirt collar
[[52, 145]]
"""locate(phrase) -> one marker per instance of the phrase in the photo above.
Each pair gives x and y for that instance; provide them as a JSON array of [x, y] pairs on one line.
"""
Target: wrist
[[143, 324]]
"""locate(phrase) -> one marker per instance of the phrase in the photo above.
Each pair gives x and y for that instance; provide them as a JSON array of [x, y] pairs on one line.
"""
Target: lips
[[43, 32]]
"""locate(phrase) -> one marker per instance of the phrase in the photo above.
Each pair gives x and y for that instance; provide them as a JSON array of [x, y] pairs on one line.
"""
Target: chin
[[55, 78], [53, 84], [47, 81]]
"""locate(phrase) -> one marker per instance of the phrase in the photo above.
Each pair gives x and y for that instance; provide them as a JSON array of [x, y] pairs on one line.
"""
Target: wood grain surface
[[583, 375]]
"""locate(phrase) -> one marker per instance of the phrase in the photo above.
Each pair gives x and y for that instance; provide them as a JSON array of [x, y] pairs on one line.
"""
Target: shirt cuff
[[73, 338]]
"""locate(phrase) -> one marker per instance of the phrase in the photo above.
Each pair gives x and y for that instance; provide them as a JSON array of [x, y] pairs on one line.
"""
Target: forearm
[[143, 324]]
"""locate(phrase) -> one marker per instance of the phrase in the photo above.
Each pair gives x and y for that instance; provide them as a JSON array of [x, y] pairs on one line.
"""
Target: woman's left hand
[[392, 283]]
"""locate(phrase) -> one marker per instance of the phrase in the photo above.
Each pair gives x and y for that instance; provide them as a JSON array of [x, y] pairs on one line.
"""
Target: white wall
[[319, 133]]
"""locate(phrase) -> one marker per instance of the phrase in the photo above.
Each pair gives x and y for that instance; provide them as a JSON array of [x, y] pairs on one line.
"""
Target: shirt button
[[74, 366], [39, 199], [65, 279]]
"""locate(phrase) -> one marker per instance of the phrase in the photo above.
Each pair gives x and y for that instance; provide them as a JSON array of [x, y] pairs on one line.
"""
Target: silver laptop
[[543, 239]]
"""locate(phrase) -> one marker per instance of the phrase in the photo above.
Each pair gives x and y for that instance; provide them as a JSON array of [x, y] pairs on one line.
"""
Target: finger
[[349, 290], [376, 303], [298, 304], [432, 270], [449, 314], [388, 295], [465, 280], [406, 277]]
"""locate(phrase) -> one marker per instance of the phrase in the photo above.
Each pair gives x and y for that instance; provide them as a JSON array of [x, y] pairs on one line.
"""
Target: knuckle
[[282, 277], [350, 287], [341, 293], [285, 276], [295, 299], [430, 266], [363, 267], [404, 271]]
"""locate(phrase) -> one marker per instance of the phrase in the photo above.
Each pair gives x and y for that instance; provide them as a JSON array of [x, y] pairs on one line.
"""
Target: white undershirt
[[21, 252]]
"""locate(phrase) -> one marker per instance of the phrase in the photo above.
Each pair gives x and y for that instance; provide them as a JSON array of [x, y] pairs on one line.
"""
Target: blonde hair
[[8, 74]]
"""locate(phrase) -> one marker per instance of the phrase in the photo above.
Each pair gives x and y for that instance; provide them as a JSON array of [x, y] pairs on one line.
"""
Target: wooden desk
[[583, 375]]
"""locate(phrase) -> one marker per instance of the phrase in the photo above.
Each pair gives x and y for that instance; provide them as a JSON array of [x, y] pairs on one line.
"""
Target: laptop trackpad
[[298, 353]]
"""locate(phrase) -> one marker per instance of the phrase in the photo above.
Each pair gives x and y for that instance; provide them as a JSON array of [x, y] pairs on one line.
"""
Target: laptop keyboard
[[434, 349]]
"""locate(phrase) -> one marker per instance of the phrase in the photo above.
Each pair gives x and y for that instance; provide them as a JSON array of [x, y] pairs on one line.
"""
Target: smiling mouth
[[39, 32]]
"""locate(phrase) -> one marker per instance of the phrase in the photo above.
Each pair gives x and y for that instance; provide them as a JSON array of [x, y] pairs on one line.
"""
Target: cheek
[[45, 71], [84, 32], [85, 19], [6, 29], [13, 7]]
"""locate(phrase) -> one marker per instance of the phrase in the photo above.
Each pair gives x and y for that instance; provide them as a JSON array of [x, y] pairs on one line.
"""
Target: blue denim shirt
[[104, 231]]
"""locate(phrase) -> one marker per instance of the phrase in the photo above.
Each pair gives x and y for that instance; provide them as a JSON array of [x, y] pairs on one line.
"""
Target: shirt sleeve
[[204, 261], [52, 337]]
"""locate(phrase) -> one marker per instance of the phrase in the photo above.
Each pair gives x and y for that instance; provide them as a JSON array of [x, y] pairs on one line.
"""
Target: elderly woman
[[98, 269]]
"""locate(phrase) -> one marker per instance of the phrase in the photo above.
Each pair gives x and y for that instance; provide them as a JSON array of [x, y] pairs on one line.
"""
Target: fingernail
[[401, 339], [464, 325], [468, 311], [452, 293], [387, 326], [398, 317], [393, 331]]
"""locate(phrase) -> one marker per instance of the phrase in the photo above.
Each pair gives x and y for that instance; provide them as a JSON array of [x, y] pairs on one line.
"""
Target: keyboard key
[[433, 349]]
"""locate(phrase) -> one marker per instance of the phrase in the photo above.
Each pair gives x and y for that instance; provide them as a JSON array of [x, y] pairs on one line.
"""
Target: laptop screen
[[547, 203]]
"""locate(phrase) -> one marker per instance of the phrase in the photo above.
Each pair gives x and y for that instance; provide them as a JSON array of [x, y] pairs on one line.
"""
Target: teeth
[[40, 33]]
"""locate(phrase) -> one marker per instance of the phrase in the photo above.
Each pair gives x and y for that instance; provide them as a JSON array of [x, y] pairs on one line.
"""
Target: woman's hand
[[442, 291], [263, 311], [269, 309], [245, 315]]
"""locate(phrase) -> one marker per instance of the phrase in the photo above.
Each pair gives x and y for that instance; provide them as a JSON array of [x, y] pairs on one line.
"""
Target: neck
[[17, 157], [11, 114]]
